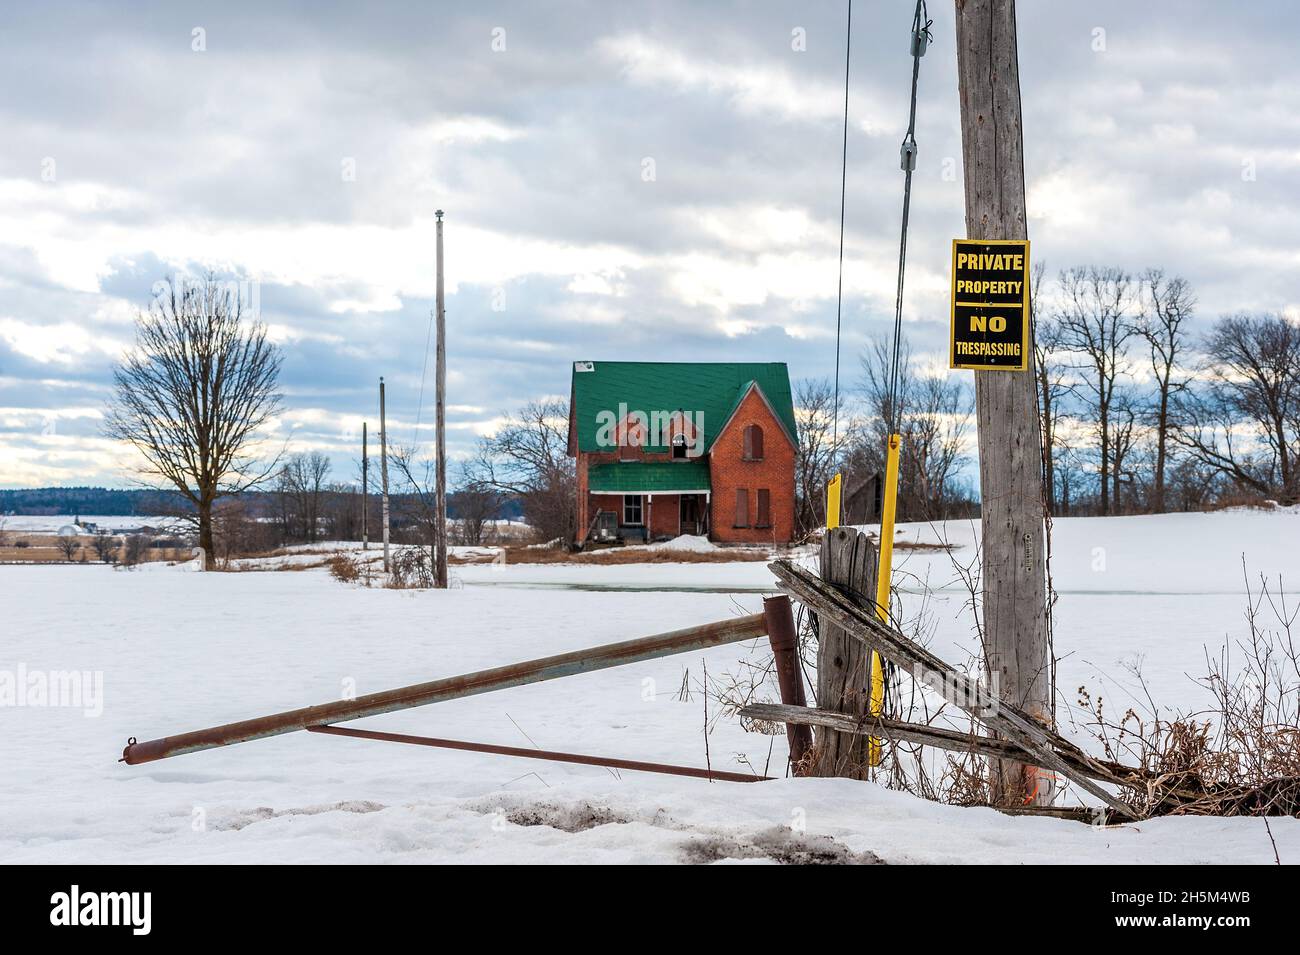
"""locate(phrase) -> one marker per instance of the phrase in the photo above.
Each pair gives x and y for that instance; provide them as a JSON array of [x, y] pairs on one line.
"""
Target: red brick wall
[[605, 502], [729, 471], [664, 512], [588, 504], [665, 515], [585, 514]]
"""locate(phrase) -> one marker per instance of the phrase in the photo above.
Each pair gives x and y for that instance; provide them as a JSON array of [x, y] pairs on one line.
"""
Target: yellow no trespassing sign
[[990, 305]]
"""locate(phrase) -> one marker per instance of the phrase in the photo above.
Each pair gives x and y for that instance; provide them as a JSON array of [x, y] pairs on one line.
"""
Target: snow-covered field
[[180, 651]]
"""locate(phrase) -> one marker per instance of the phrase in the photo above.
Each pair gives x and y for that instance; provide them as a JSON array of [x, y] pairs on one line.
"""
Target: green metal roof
[[712, 389], [648, 477]]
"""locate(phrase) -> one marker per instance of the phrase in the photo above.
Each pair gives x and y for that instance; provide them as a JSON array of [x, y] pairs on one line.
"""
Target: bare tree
[[819, 448], [1096, 324], [528, 458], [105, 545], [1066, 471], [1124, 443], [414, 492], [1167, 307], [68, 545], [934, 415], [1052, 380], [135, 550], [476, 507], [194, 393], [1244, 420], [299, 488], [341, 511], [936, 425]]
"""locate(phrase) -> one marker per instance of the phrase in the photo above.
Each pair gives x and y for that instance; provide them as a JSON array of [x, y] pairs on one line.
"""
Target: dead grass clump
[[409, 569], [1238, 756], [343, 568], [669, 556], [606, 556], [921, 545]]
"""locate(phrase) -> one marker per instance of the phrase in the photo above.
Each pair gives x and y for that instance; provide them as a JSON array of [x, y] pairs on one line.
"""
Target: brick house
[[669, 448]]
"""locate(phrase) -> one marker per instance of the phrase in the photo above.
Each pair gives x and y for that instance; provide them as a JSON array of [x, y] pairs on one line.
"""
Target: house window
[[631, 508], [679, 447], [742, 507], [753, 443], [764, 508]]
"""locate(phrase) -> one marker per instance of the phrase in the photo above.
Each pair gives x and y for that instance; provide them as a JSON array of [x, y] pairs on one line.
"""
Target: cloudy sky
[[653, 180]]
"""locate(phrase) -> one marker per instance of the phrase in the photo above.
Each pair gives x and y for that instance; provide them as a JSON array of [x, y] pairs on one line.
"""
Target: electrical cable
[[424, 374], [839, 293], [921, 37]]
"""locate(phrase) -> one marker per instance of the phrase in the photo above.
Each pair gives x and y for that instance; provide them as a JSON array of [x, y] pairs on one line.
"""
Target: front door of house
[[693, 511]]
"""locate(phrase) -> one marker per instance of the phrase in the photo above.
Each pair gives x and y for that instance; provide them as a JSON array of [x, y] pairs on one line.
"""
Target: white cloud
[[59, 343], [750, 88]]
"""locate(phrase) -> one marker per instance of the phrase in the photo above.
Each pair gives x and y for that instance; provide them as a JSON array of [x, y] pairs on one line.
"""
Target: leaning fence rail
[[451, 688]]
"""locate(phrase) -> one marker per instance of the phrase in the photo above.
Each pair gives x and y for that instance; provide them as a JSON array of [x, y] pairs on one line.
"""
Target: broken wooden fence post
[[779, 616], [1048, 748], [850, 562]]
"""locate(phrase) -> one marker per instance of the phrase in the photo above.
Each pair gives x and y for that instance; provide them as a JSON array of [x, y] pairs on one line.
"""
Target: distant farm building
[[668, 448]]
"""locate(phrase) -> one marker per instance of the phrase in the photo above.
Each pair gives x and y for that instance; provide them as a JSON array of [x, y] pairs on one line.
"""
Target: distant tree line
[[99, 501], [1142, 409]]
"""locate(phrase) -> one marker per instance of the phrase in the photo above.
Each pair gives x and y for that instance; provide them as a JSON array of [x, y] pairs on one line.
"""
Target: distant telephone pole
[[440, 494], [365, 489], [1011, 479], [383, 467]]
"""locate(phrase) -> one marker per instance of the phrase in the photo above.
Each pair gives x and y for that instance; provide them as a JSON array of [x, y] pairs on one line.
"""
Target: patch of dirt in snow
[[246, 817], [778, 844], [577, 818]]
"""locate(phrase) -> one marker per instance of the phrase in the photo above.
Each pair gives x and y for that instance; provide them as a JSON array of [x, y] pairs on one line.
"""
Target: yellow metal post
[[833, 503], [877, 699]]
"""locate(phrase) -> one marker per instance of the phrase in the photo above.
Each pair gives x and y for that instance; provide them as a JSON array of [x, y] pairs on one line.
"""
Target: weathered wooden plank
[[884, 728], [848, 561], [940, 737]]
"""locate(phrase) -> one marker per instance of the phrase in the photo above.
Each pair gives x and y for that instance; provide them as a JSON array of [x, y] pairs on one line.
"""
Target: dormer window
[[679, 447]]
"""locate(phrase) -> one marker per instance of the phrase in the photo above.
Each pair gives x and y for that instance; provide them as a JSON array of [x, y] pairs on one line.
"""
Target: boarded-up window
[[753, 443], [764, 508], [742, 507]]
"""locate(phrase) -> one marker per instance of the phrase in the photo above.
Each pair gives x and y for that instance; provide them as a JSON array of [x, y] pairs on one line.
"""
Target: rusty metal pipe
[[454, 687], [547, 754], [779, 616]]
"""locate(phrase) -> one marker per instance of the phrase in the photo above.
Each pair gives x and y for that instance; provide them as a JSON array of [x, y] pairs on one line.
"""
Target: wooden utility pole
[[365, 490], [440, 386], [1011, 480], [383, 467]]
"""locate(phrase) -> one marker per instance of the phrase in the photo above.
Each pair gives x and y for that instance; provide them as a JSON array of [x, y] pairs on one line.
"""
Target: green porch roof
[[712, 389], [648, 477]]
